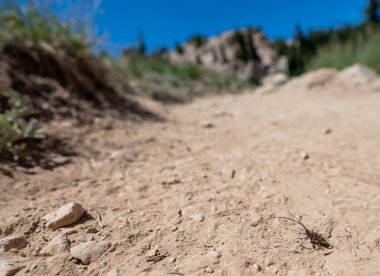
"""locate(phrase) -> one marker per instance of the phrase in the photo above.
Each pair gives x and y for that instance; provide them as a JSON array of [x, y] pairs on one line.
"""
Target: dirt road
[[197, 194]]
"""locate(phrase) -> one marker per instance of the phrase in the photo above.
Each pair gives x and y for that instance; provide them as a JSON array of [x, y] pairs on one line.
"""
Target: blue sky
[[165, 22]]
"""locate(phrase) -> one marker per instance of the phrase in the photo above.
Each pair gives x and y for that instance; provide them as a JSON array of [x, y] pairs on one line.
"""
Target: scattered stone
[[21, 253], [69, 231], [269, 262], [9, 243], [59, 244], [66, 215], [198, 217], [113, 272], [172, 260], [304, 155], [227, 173], [207, 125], [11, 265], [170, 181], [275, 79], [189, 211], [256, 267], [213, 253], [89, 251], [209, 270], [91, 230], [327, 131], [92, 238]]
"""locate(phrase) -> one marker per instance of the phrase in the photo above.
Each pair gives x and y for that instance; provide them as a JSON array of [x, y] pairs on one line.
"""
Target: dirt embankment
[[197, 194]]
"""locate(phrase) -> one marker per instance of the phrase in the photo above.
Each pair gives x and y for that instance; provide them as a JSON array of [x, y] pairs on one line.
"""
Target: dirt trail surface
[[196, 194]]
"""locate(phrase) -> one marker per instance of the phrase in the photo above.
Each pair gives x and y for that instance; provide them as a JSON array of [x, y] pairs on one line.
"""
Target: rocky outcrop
[[223, 53]]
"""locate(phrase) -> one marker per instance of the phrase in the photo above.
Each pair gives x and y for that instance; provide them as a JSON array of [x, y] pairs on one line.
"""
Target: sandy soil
[[197, 194]]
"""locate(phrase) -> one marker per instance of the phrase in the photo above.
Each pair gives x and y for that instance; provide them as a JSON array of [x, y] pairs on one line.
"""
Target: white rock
[[274, 79], [113, 272], [213, 253], [89, 251], [198, 217], [304, 155], [59, 244], [11, 265], [66, 215], [256, 267], [227, 173], [9, 243]]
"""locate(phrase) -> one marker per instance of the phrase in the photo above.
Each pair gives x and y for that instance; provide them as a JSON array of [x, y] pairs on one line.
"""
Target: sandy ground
[[197, 194]]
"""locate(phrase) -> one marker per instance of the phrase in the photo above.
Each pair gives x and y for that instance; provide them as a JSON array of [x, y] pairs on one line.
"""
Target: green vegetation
[[169, 82], [37, 22], [362, 49], [336, 48], [198, 40], [17, 125]]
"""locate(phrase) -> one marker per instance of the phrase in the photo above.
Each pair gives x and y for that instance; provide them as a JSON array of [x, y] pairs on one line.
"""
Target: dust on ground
[[197, 194]]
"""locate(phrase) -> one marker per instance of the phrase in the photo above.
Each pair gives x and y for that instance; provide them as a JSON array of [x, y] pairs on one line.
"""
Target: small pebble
[[215, 254], [91, 230], [198, 217]]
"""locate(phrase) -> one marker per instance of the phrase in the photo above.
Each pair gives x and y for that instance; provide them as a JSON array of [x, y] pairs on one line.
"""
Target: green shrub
[[169, 82], [363, 50], [36, 21], [198, 40], [17, 126]]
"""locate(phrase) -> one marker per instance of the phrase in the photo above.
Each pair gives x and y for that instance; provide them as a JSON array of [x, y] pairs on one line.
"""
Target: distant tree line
[[304, 47], [245, 47]]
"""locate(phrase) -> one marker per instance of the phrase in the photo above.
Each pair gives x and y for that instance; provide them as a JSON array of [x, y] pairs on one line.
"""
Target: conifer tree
[[372, 12]]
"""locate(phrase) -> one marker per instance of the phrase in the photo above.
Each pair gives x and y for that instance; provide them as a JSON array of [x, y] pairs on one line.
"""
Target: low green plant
[[17, 126], [363, 50], [170, 82], [35, 21]]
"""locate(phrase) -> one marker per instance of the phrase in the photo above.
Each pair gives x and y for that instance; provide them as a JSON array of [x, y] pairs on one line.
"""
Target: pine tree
[[372, 12], [141, 45]]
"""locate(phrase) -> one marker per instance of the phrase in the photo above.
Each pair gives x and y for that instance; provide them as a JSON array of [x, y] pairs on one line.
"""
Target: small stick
[[99, 220]]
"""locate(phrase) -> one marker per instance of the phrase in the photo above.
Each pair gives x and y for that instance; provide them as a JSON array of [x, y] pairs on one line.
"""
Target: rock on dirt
[[89, 251], [59, 244], [227, 173], [213, 253], [170, 180], [113, 272], [9, 243], [198, 218], [11, 265], [274, 80], [91, 230], [66, 215]]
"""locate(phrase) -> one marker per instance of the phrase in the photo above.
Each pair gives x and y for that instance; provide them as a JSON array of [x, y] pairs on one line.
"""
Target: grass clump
[[35, 21], [363, 50], [17, 126], [169, 82]]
